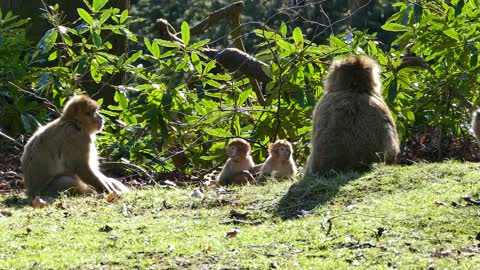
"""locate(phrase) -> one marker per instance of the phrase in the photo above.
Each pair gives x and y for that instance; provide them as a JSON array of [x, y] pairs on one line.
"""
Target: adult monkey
[[352, 125], [61, 156]]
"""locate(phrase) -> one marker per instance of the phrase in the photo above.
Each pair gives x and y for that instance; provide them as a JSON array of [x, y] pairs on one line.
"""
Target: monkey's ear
[[270, 147]]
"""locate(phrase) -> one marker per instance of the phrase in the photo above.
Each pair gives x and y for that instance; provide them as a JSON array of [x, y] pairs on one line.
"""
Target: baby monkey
[[238, 166], [280, 163]]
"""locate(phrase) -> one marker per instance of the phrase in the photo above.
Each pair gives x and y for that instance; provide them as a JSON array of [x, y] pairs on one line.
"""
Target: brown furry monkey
[[61, 156], [352, 125], [239, 164], [279, 163]]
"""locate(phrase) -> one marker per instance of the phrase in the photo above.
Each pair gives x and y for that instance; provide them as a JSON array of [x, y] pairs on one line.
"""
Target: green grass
[[321, 223]]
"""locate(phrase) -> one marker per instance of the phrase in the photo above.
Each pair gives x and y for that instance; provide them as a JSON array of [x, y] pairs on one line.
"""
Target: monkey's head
[[83, 112], [281, 149], [356, 74], [238, 149]]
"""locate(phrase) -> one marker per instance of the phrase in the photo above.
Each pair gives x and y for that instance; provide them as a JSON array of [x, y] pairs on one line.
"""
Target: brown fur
[[279, 163], [352, 125], [239, 164], [61, 156]]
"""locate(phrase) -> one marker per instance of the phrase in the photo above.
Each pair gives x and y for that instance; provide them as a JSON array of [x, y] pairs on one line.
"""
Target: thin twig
[[132, 166], [11, 139]]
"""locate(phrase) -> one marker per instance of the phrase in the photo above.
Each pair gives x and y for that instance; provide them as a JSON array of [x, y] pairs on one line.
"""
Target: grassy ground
[[391, 217]]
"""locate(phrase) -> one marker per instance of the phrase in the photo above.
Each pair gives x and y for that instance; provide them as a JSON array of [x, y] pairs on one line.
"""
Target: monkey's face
[[91, 120], [237, 152], [281, 151]]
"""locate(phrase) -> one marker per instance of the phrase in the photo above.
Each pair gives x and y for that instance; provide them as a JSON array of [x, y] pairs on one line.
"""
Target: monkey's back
[[351, 130]]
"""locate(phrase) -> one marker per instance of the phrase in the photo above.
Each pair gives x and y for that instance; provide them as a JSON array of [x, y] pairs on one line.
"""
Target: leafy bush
[[178, 110], [437, 82], [14, 107]]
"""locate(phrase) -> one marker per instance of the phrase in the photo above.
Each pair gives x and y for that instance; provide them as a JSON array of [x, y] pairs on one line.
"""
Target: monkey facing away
[[239, 164], [61, 156], [279, 163], [352, 125]]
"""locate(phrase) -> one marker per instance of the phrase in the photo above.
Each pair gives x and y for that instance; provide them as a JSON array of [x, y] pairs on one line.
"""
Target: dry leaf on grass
[[232, 233], [39, 202], [206, 248], [439, 203], [111, 196], [61, 205]]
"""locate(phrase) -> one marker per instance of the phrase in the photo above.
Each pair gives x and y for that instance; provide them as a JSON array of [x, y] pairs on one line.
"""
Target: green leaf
[[459, 7], [185, 33], [97, 39], [406, 14], [451, 33], [395, 27], [196, 62], [392, 91], [218, 132], [134, 57], [243, 97], [283, 29], [124, 16], [166, 43], [410, 116], [104, 17], [121, 100], [298, 37], [417, 11], [52, 56], [98, 4], [94, 72], [155, 50], [48, 40], [210, 66], [85, 16]]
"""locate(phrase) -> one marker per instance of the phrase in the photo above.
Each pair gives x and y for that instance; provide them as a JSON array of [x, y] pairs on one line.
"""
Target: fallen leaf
[[439, 203], [206, 248], [232, 233], [39, 202], [61, 205], [111, 196]]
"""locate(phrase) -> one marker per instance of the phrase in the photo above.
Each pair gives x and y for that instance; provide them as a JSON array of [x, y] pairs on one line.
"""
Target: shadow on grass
[[17, 200], [311, 192]]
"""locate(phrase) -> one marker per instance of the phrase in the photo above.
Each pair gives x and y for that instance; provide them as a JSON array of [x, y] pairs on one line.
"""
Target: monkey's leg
[[71, 184], [117, 186]]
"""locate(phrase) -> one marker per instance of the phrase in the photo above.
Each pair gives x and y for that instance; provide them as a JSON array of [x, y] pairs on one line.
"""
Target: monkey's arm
[[224, 177]]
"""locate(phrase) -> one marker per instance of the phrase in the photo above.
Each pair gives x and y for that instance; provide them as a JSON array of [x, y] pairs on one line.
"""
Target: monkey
[[61, 156], [279, 163], [476, 124], [239, 164], [352, 125]]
